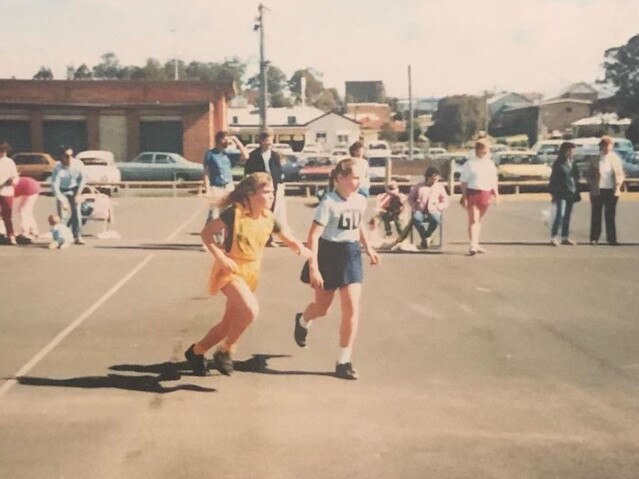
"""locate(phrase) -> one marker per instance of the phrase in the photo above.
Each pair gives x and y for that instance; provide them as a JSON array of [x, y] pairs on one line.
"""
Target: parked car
[[378, 145], [436, 151], [377, 167], [631, 166], [100, 167], [38, 166], [458, 160], [340, 152], [317, 169], [291, 167], [622, 146], [283, 148], [547, 150], [311, 150], [521, 165], [160, 166]]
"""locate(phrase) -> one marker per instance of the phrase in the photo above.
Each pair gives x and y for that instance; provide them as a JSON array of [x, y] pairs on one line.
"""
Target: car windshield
[[460, 160], [548, 149], [88, 161], [377, 162], [318, 162], [519, 160]]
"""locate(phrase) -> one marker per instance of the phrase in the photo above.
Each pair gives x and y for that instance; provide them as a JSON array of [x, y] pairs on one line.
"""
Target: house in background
[[580, 91], [296, 126], [601, 124], [371, 116]]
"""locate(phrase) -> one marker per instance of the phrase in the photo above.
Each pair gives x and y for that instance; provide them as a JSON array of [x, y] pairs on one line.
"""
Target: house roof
[[304, 115], [603, 119]]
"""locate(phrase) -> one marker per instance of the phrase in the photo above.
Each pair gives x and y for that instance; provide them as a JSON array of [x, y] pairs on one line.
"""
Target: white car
[[99, 167], [283, 148], [340, 153]]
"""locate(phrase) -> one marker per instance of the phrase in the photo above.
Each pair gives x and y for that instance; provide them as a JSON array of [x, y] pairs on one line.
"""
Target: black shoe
[[196, 361], [223, 362], [345, 371], [424, 244], [300, 331]]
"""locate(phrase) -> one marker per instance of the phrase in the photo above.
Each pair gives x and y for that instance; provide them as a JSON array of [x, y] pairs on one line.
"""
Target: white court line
[[80, 319]]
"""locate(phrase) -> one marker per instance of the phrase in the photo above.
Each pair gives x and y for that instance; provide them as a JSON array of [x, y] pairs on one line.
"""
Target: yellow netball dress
[[244, 244]]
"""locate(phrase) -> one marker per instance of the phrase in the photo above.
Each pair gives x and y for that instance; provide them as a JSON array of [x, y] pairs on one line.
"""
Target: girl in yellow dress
[[247, 223]]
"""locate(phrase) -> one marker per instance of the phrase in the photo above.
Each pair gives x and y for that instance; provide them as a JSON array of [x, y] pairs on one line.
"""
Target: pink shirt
[[26, 187], [428, 199]]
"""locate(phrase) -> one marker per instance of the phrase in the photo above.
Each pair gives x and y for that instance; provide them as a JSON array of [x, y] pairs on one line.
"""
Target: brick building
[[121, 116]]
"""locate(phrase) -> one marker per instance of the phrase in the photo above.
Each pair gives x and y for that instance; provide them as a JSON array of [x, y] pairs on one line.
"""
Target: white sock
[[344, 355], [303, 323]]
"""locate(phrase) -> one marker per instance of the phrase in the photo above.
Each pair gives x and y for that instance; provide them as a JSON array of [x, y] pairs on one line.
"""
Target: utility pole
[[410, 115], [263, 69]]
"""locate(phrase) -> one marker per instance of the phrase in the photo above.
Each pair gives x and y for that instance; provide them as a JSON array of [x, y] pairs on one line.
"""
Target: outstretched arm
[[368, 249], [294, 244]]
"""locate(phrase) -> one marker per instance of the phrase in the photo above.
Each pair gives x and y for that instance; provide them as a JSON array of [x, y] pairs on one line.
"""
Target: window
[[320, 137], [162, 159], [292, 120], [342, 138], [144, 158], [568, 109], [235, 120]]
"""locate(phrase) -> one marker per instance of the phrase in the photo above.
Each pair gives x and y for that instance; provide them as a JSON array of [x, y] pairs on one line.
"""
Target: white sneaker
[[554, 242]]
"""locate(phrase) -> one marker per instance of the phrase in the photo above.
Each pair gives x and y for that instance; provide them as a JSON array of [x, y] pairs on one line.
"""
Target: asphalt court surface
[[519, 363]]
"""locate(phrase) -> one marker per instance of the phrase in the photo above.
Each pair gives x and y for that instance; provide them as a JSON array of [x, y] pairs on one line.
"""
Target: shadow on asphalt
[[258, 363], [166, 371], [534, 243], [159, 246]]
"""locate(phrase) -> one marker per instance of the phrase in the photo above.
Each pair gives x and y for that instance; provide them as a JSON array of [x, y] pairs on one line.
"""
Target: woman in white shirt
[[479, 188], [605, 177], [8, 176]]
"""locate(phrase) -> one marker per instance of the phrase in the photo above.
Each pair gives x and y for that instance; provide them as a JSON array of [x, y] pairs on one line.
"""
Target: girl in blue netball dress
[[335, 239]]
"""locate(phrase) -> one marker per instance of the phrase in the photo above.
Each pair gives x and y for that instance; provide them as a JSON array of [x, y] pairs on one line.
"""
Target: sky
[[453, 46]]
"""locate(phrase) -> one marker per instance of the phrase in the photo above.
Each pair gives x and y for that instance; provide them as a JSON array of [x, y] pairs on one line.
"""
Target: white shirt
[[8, 170], [266, 156], [479, 174], [364, 176], [340, 217], [606, 173]]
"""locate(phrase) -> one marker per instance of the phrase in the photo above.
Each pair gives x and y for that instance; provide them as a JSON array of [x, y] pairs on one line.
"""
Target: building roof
[[553, 101], [304, 115], [603, 119], [579, 87]]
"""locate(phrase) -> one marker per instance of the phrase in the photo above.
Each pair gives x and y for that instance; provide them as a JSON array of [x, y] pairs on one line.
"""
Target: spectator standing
[[27, 191], [217, 170], [67, 181], [265, 159], [605, 178], [8, 177], [479, 188], [356, 150], [564, 183]]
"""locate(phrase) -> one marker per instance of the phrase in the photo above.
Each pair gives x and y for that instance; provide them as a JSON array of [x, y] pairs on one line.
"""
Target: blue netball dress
[[339, 256]]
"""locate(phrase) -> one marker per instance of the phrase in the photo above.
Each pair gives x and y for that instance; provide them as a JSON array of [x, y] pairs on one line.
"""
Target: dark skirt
[[340, 264]]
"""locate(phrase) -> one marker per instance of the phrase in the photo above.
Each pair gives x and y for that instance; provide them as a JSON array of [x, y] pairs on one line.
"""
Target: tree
[[169, 69], [83, 73], [109, 68], [314, 86], [275, 83], [456, 120], [70, 72], [621, 66], [44, 73], [328, 100]]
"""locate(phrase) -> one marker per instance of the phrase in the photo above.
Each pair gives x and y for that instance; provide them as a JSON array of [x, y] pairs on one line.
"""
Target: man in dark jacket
[[266, 160]]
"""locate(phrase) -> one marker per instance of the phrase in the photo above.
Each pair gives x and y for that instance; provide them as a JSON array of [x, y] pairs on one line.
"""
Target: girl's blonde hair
[[245, 188], [343, 168]]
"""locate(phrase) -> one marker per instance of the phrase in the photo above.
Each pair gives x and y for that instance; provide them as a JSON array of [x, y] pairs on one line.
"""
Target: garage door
[[70, 133], [161, 136], [17, 133]]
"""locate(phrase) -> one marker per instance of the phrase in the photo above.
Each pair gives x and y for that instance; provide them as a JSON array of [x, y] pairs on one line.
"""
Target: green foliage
[[109, 68], [275, 83], [622, 70], [83, 73], [457, 119], [44, 73]]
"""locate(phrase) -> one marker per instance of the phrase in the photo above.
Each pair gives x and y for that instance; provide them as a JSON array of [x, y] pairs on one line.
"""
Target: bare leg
[[241, 310], [319, 307], [349, 297]]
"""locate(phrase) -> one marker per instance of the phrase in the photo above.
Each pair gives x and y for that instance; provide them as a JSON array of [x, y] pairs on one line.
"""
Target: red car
[[316, 169]]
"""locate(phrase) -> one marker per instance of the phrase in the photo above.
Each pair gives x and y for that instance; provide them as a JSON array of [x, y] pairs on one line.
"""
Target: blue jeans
[[75, 221], [563, 209], [426, 223]]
